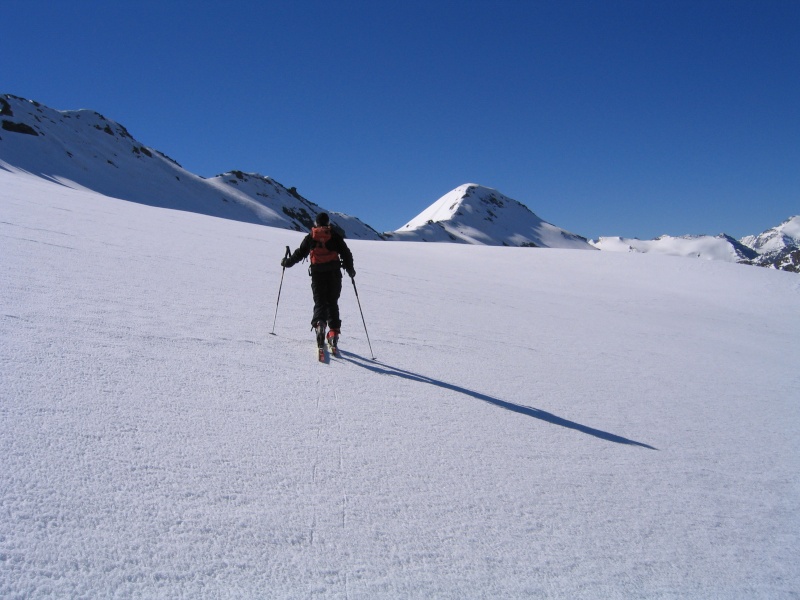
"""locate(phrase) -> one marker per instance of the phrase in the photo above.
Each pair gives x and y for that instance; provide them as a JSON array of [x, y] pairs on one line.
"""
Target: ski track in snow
[[537, 424]]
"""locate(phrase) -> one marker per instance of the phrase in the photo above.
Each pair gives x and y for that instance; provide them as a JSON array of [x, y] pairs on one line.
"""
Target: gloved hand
[[285, 263], [351, 271]]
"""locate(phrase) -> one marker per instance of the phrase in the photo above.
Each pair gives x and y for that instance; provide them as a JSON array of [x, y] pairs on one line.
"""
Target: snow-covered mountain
[[86, 149], [721, 247], [82, 148], [779, 247], [474, 214], [776, 248], [297, 210], [786, 235]]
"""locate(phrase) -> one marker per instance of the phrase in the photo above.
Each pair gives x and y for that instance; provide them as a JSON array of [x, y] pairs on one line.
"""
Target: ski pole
[[288, 252], [353, 279]]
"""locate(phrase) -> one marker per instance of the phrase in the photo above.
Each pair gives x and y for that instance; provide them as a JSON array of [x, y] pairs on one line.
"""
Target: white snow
[[537, 424]]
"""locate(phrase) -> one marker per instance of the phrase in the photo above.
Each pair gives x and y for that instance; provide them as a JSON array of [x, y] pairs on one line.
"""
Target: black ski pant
[[327, 287]]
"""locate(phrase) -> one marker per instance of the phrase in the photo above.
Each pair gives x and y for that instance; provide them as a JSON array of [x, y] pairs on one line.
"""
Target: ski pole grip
[[288, 252]]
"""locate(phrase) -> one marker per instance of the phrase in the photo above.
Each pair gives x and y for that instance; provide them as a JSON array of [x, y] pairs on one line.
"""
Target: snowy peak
[[297, 210], [785, 235], [32, 118], [63, 143], [474, 214], [84, 149], [779, 247]]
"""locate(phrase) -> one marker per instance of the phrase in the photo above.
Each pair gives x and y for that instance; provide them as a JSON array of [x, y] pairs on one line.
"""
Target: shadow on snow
[[547, 417]]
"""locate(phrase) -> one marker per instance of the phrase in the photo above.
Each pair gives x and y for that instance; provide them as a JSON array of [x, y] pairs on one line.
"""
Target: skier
[[329, 254]]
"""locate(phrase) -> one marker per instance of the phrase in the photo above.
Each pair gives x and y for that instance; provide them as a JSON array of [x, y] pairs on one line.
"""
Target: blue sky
[[631, 118]]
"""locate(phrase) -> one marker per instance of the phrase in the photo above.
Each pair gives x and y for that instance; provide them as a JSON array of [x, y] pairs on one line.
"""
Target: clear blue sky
[[631, 118]]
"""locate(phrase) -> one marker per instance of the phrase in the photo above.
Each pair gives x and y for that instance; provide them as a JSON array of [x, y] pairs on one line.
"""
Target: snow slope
[[545, 424], [474, 214], [83, 149]]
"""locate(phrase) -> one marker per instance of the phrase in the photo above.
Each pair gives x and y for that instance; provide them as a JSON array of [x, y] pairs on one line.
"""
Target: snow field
[[539, 423]]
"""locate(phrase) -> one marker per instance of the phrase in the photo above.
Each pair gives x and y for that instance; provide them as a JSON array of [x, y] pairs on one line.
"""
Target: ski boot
[[333, 341]]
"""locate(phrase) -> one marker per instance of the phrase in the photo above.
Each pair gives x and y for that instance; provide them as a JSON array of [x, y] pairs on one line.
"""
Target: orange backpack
[[320, 253]]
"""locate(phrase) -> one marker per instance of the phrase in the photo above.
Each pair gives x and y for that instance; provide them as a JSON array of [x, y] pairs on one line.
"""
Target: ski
[[320, 329]]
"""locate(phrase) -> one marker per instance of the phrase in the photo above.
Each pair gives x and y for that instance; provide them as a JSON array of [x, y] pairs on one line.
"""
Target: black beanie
[[323, 219]]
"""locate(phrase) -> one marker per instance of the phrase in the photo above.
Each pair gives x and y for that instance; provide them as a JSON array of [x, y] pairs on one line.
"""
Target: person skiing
[[329, 254]]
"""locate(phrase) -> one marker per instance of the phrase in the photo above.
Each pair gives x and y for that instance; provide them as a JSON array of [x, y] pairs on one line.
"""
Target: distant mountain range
[[776, 248], [81, 148]]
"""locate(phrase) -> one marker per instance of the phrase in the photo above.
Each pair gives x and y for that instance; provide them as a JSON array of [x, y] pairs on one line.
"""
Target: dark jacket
[[336, 243]]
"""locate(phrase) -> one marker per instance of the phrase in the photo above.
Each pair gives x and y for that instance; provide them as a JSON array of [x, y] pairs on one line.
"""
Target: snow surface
[[537, 424]]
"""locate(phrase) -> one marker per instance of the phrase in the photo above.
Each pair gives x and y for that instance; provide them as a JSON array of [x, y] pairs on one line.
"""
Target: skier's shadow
[[385, 369]]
